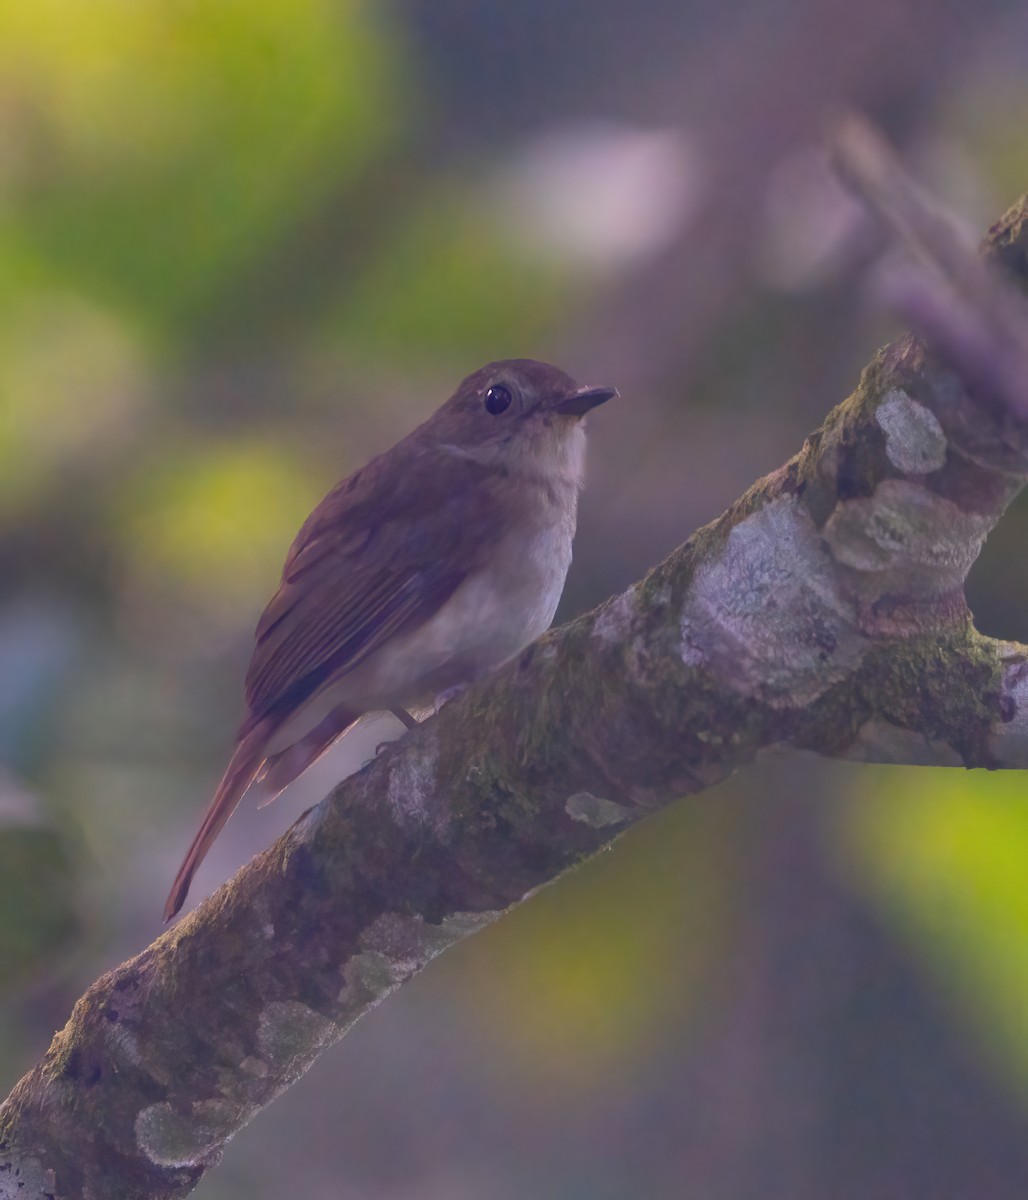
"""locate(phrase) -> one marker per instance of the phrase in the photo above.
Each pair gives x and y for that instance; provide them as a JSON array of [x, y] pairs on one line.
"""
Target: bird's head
[[520, 415]]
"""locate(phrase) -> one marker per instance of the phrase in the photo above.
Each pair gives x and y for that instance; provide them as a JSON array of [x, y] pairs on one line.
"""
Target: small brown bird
[[424, 570]]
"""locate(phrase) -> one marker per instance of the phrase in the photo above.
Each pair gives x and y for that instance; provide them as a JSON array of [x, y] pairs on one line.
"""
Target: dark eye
[[498, 399]]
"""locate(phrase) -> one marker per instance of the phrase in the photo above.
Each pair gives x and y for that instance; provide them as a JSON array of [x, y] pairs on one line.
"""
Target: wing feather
[[375, 558]]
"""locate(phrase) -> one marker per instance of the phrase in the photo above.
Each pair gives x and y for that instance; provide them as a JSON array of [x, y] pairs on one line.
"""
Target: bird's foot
[[451, 693], [408, 720], [411, 722]]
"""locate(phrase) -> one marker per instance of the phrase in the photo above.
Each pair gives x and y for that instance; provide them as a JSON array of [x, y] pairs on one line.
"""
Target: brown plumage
[[418, 573]]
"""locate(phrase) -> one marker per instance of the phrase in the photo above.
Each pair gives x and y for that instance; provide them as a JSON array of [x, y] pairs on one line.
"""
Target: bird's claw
[[451, 693]]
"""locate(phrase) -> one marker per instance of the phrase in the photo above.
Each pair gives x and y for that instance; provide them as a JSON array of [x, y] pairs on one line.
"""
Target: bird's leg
[[412, 722], [404, 717], [408, 720]]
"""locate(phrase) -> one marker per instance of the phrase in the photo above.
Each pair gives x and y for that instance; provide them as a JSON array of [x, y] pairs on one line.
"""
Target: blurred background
[[244, 246]]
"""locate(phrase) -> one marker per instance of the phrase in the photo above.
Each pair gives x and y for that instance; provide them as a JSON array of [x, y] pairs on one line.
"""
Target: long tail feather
[[244, 764], [281, 769]]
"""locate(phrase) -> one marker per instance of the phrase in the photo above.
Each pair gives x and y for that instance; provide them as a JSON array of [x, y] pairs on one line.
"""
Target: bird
[[416, 575]]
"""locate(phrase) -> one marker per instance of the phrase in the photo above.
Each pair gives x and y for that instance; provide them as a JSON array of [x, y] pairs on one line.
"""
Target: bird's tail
[[244, 764], [281, 769]]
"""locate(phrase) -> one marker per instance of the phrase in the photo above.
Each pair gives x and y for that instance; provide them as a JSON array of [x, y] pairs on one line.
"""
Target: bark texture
[[824, 611]]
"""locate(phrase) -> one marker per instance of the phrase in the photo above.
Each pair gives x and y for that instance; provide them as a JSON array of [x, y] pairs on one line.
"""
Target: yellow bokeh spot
[[149, 150], [211, 525], [945, 850], [583, 979], [71, 386]]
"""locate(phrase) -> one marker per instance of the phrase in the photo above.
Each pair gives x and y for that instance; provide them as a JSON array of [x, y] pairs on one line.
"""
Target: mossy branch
[[823, 611]]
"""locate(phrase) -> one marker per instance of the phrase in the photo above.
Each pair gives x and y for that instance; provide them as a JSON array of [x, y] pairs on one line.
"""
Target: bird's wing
[[381, 554]]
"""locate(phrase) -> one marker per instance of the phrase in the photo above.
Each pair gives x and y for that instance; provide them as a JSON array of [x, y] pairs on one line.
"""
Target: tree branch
[[970, 315], [823, 611]]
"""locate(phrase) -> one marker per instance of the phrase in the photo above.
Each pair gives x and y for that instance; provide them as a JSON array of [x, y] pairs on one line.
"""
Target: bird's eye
[[497, 399]]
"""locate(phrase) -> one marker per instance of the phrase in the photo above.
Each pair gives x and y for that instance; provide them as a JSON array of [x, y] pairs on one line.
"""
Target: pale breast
[[495, 613]]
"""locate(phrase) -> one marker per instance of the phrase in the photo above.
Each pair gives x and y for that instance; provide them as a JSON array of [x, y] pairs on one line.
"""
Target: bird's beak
[[581, 401]]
